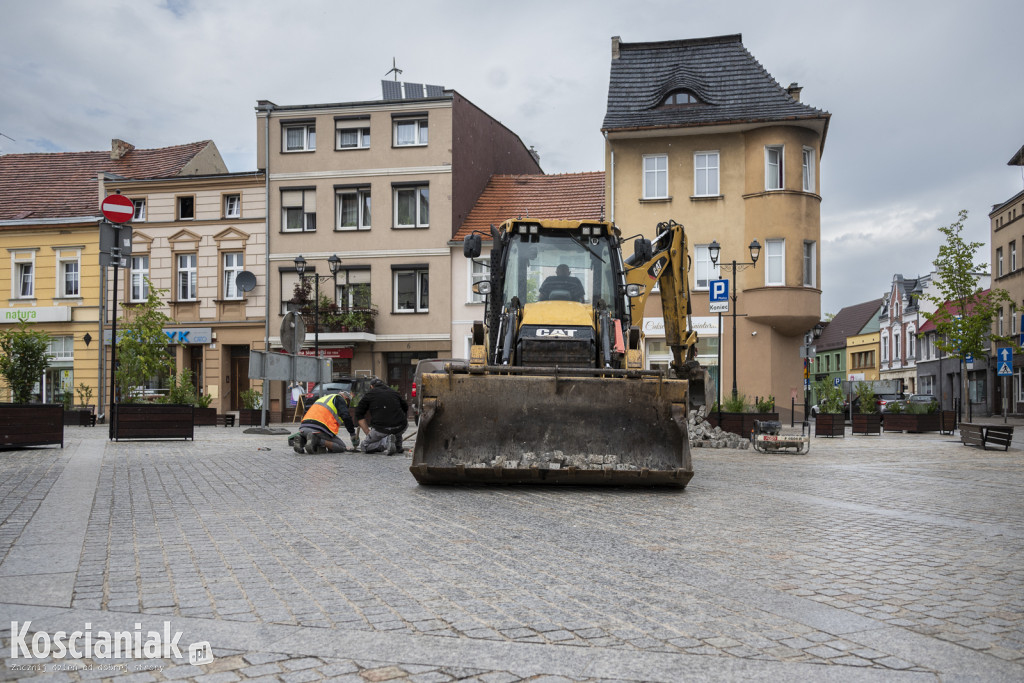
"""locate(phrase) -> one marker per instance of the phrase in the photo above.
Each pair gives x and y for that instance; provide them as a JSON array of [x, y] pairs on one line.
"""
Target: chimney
[[118, 148], [535, 154], [794, 91], [615, 46]]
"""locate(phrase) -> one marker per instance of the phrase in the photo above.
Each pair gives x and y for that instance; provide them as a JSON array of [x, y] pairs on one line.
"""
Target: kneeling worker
[[388, 418], [318, 431]]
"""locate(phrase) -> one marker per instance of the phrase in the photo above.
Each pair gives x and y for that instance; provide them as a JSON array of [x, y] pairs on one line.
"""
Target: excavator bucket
[[489, 428]]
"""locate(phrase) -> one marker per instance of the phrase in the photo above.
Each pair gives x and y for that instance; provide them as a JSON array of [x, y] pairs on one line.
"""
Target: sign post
[[1004, 369], [117, 209], [718, 296]]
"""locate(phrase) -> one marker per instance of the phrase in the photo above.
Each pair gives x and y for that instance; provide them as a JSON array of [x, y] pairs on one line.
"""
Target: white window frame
[[308, 142], [362, 135], [23, 271], [232, 206], [420, 135], [288, 278], [1000, 322], [306, 204], [885, 348], [706, 168], [1013, 256], [810, 263], [421, 196], [774, 167], [421, 303], [999, 262], [655, 176], [911, 350], [776, 260], [139, 210], [187, 276], [138, 286], [1013, 319], [61, 348], [233, 263], [702, 265], [66, 259], [364, 204], [345, 295], [479, 271], [808, 169]]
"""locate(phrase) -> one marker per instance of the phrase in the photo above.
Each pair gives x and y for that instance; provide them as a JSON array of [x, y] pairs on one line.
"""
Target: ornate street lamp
[[714, 251], [334, 263]]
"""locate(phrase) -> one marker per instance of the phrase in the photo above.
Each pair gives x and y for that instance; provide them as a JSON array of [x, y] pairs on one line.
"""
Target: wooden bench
[[983, 435]]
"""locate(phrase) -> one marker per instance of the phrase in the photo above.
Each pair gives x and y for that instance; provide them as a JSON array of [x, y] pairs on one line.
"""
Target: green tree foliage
[[830, 397], [24, 359], [142, 346], [964, 314]]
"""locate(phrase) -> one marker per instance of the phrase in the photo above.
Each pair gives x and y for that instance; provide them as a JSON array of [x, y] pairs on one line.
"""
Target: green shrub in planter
[[765, 405], [735, 404], [867, 399], [830, 398]]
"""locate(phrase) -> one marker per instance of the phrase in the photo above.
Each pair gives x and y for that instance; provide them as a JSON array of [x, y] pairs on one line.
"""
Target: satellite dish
[[245, 280], [293, 331]]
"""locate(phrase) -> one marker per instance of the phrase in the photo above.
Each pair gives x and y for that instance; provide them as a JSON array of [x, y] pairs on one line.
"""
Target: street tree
[[964, 311], [142, 346], [24, 359]]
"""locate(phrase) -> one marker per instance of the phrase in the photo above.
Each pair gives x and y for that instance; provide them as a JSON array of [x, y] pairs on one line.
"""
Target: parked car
[[357, 386], [885, 401], [427, 365], [923, 399]]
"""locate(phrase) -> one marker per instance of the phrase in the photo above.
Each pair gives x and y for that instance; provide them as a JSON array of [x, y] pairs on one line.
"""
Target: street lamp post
[[335, 265], [714, 251]]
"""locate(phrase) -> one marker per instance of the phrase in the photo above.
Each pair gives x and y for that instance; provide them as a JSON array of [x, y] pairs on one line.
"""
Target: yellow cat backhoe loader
[[555, 391]]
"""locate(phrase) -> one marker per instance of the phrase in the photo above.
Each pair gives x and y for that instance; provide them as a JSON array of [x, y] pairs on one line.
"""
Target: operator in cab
[[561, 286]]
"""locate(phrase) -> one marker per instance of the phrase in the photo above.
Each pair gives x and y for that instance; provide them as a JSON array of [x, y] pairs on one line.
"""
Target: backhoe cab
[[556, 390]]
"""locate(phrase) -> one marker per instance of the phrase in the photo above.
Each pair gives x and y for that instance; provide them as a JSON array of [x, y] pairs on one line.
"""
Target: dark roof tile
[[732, 85]]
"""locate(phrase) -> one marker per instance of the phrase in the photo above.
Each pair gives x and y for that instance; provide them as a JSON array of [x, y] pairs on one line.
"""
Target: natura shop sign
[[36, 314]]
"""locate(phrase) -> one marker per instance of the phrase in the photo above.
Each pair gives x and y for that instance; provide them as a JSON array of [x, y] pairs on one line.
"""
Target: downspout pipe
[[267, 107]]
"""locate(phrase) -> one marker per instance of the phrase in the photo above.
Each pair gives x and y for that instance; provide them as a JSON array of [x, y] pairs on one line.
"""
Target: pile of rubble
[[557, 460], [703, 435]]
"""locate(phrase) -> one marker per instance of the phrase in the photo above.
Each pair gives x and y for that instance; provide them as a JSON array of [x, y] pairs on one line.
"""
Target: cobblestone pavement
[[871, 558]]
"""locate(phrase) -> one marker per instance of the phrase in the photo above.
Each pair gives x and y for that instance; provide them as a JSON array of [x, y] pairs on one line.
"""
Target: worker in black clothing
[[382, 414]]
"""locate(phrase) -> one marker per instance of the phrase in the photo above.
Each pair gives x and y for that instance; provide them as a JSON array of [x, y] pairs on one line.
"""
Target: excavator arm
[[665, 261]]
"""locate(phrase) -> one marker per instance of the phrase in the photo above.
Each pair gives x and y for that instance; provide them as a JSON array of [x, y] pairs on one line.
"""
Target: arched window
[[679, 97]]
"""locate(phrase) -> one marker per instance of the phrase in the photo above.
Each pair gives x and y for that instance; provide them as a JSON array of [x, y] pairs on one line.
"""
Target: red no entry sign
[[117, 208]]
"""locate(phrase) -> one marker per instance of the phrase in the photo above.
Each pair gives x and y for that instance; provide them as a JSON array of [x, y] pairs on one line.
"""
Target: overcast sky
[[926, 98]]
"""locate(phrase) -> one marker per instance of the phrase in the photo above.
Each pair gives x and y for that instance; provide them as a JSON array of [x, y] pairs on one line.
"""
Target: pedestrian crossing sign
[[1005, 370]]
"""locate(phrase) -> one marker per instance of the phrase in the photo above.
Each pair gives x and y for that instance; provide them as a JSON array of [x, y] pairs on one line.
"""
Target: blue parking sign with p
[[719, 290]]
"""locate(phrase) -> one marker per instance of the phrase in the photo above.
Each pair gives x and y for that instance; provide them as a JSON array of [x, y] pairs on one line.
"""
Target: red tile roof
[[952, 308], [64, 185], [567, 196]]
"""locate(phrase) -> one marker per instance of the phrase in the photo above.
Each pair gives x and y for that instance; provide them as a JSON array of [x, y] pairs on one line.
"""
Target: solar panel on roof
[[392, 90], [435, 91], [414, 91]]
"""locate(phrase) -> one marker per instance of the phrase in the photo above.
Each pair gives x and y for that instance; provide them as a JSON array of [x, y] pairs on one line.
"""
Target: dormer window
[[677, 97]]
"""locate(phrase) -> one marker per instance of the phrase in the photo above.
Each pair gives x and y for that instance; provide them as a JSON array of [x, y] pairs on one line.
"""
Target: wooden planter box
[[31, 424], [152, 421], [906, 422], [205, 417], [867, 423], [251, 417], [741, 424], [948, 421], [830, 424], [78, 417]]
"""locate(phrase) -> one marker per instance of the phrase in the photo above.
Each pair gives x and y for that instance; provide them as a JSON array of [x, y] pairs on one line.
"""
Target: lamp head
[[300, 265]]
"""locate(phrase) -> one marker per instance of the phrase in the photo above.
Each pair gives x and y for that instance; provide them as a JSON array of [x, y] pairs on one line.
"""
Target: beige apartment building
[[1007, 243], [697, 131], [50, 226], [383, 186], [192, 237]]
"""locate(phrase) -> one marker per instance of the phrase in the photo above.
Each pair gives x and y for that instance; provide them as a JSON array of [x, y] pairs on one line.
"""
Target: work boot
[[297, 442], [392, 444], [312, 443], [355, 440]]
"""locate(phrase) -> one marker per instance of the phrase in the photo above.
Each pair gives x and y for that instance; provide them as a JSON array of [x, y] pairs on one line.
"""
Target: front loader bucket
[[490, 428]]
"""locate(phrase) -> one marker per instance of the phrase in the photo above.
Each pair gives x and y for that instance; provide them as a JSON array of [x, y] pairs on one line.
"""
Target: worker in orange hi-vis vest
[[318, 432]]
